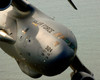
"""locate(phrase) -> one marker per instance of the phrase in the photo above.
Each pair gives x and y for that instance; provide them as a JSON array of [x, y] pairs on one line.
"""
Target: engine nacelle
[[4, 4], [82, 76]]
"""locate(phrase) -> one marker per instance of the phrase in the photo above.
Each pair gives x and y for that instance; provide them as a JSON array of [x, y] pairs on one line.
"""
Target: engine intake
[[4, 4]]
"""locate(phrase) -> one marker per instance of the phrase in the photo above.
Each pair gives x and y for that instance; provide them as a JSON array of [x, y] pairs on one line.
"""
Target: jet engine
[[82, 76], [4, 4]]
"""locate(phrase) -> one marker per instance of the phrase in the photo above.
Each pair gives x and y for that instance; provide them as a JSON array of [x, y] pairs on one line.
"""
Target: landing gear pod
[[4, 4], [82, 76]]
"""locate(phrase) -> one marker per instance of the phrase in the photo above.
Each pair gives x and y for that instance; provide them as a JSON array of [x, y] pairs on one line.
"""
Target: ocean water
[[84, 23]]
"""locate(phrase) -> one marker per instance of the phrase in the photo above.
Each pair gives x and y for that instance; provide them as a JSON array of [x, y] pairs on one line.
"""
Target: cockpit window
[[67, 41], [61, 36], [70, 44]]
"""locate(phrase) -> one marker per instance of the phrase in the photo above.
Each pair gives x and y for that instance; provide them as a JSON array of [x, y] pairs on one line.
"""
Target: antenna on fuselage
[[73, 5]]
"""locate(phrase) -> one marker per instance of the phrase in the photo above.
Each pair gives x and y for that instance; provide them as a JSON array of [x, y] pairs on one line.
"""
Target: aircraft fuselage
[[42, 45]]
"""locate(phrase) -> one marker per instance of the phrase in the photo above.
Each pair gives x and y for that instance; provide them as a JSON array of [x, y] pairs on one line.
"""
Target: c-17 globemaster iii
[[39, 45]]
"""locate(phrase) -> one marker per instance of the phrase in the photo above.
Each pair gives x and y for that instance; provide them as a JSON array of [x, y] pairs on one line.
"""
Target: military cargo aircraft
[[39, 45]]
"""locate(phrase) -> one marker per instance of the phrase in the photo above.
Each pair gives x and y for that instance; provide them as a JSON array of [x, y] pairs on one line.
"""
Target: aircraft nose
[[60, 59], [63, 51]]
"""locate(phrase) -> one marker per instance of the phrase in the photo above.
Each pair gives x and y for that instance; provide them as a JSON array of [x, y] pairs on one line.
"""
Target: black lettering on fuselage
[[44, 26], [48, 48], [47, 28]]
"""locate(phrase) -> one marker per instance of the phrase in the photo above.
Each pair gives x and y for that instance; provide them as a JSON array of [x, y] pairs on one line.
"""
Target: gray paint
[[34, 36], [83, 42]]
